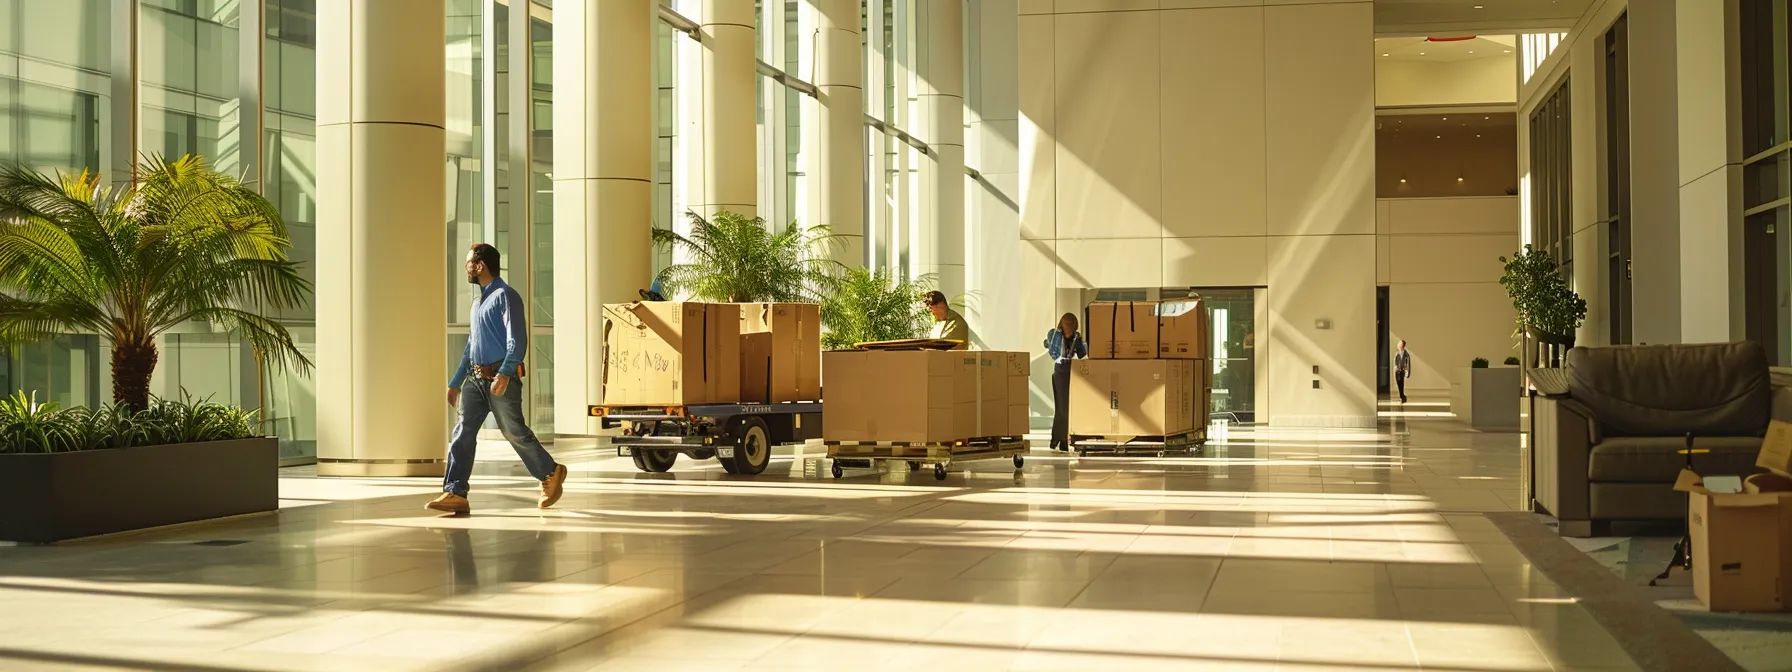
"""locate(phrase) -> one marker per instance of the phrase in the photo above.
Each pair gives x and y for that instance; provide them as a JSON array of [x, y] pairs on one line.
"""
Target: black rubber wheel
[[655, 461], [1019, 462], [914, 466], [939, 472], [752, 448], [838, 472]]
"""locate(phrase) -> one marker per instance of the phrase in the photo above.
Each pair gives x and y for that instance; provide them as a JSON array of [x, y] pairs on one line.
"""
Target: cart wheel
[[838, 472], [914, 466], [752, 448], [655, 461], [939, 472], [1163, 453], [1019, 462]]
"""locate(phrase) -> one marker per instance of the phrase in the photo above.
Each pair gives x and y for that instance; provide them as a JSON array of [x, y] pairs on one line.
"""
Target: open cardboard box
[[1742, 532]]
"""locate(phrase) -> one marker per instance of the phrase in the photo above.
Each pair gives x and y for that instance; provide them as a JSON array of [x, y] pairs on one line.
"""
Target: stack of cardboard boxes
[[671, 353], [1149, 370], [1741, 531], [924, 396]]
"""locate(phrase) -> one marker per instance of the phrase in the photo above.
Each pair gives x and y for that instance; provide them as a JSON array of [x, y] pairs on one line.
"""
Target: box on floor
[[1742, 538]]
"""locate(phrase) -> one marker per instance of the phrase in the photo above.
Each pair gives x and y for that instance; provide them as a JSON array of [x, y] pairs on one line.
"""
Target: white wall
[[1440, 261], [1475, 81], [1147, 160]]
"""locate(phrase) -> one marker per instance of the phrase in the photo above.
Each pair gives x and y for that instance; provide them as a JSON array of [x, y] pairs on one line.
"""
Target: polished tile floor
[[1336, 551]]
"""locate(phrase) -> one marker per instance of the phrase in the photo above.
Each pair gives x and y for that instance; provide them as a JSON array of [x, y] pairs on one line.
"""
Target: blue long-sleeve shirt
[[498, 332], [1054, 346]]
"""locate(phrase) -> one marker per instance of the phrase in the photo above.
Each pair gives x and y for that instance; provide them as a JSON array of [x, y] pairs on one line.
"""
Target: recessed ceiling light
[[1508, 51], [1485, 118], [1477, 135], [1440, 137], [1446, 118], [1478, 7], [1471, 51], [1421, 53], [1384, 55]]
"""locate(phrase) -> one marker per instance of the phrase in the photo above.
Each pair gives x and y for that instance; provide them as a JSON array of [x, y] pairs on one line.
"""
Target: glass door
[[1232, 312]]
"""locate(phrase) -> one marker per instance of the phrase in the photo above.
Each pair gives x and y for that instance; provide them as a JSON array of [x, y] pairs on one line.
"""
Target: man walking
[[488, 382], [1402, 369]]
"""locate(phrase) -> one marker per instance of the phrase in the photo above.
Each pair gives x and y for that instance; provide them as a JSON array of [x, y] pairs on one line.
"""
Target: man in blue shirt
[[486, 383]]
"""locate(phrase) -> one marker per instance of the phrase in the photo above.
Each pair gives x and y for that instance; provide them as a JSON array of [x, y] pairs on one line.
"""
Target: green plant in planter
[[182, 243], [1478, 363], [1512, 361], [874, 306], [735, 258], [1546, 307], [28, 427]]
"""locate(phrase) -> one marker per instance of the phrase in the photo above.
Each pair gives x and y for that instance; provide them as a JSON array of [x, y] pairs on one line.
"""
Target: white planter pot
[[1487, 399]]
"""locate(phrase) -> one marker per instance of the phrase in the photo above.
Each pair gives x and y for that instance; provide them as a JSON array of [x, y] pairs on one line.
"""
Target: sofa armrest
[[1561, 449]]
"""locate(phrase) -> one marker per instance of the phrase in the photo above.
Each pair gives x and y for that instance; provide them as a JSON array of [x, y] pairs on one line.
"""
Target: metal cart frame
[[865, 454], [740, 436], [1189, 442]]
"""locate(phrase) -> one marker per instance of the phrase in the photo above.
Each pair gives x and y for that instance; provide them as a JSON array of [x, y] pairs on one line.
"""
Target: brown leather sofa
[[1609, 423]]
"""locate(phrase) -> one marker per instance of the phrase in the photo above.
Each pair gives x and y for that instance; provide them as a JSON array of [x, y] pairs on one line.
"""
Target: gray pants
[[1061, 405]]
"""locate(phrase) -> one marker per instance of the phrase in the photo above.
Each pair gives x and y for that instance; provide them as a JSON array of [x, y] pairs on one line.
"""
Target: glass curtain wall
[[1766, 59]]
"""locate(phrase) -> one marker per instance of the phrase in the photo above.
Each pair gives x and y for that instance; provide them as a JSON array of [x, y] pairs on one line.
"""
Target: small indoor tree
[[871, 306], [182, 243], [735, 258], [1546, 308]]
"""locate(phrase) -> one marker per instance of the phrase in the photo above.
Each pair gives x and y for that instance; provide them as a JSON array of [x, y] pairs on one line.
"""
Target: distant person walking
[[1063, 344], [488, 382], [1402, 369], [947, 323]]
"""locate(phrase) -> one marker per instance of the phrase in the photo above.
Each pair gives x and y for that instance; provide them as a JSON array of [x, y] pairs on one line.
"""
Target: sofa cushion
[[1651, 459], [1668, 390]]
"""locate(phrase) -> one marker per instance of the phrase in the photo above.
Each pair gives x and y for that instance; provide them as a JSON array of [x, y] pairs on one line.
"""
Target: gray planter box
[[52, 497], [1487, 399]]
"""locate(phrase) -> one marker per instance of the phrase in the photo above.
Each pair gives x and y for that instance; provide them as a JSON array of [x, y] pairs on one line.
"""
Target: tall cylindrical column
[[730, 157], [603, 186], [941, 126], [381, 290], [837, 137]]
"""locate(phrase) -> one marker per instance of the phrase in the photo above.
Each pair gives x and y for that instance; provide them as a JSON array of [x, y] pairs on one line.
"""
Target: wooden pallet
[[916, 454]]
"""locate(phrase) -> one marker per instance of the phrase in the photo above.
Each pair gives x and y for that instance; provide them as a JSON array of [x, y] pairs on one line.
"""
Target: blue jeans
[[476, 402]]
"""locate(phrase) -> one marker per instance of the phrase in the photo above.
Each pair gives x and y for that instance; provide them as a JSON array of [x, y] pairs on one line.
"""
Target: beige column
[[1710, 132], [603, 186], [941, 125], [730, 171], [381, 294], [837, 138]]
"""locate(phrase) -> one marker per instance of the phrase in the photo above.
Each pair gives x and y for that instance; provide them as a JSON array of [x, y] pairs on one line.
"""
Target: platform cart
[[740, 436], [1186, 443], [865, 454]]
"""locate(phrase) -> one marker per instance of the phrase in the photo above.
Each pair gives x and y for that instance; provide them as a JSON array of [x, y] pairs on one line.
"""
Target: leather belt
[[490, 371]]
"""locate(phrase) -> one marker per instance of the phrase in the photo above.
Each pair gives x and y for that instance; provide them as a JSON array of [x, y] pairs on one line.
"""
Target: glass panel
[[191, 102], [542, 182], [541, 381], [54, 84], [465, 135], [289, 89]]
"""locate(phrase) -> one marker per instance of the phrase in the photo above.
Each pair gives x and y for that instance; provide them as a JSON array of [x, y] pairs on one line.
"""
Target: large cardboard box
[[1741, 546], [780, 352], [1020, 395], [916, 396], [1116, 397], [1183, 330], [1122, 330], [992, 393], [669, 353]]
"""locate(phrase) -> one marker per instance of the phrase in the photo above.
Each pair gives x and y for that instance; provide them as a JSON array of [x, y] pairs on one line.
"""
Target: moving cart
[[740, 436], [1188, 442], [865, 454]]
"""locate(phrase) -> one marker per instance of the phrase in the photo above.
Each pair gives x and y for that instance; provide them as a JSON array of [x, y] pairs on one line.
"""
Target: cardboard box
[[916, 396], [1776, 448], [1117, 397], [1020, 395], [1741, 545], [992, 394], [780, 352], [1122, 330], [1183, 330], [667, 353]]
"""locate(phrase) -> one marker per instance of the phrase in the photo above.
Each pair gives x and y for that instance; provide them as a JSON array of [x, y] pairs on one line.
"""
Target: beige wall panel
[[335, 68], [1497, 214], [1208, 4], [1710, 123], [1712, 292], [1039, 310], [1111, 262], [1315, 278], [335, 289], [1320, 81], [1216, 262], [1214, 180], [1036, 7], [1038, 142], [1109, 175], [1382, 214], [1075, 6], [1474, 81], [1446, 326], [1464, 258]]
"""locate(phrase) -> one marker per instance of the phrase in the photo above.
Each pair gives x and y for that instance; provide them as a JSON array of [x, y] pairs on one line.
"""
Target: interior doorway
[[1382, 345]]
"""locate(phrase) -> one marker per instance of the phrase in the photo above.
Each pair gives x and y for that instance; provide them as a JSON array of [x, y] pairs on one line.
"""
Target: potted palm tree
[[183, 243], [738, 259], [874, 306]]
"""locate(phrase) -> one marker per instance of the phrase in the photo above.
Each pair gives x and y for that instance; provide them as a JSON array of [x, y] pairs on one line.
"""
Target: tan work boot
[[450, 503], [553, 487]]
